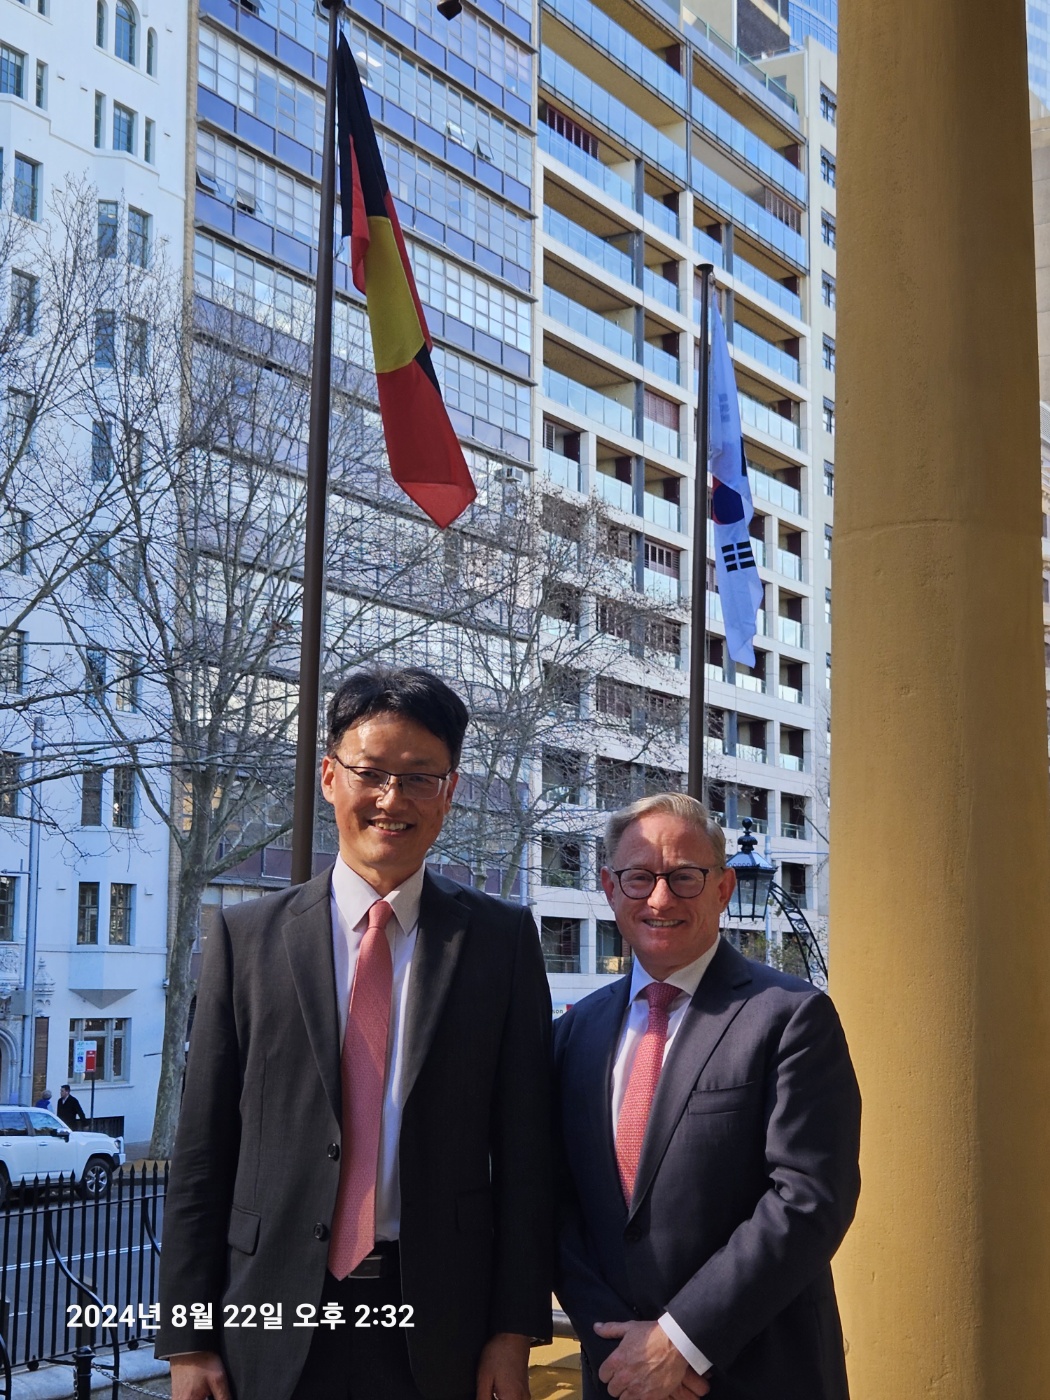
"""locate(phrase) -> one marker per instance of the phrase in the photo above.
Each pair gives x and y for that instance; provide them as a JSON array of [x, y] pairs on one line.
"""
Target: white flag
[[738, 582]]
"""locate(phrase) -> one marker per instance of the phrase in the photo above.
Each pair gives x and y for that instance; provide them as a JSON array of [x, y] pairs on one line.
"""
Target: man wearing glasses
[[364, 1135], [709, 1123]]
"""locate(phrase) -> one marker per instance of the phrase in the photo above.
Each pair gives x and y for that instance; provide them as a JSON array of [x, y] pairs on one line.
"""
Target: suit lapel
[[708, 1016], [308, 943], [602, 1031], [443, 920]]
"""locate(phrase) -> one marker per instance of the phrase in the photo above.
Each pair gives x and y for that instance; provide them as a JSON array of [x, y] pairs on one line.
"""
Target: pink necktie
[[364, 1077], [645, 1072]]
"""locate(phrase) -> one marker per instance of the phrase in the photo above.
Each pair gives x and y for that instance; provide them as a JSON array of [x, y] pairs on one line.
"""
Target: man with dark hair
[[68, 1108], [364, 1135]]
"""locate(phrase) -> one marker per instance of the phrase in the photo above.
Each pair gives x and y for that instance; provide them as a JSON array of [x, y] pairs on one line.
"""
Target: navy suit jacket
[[747, 1182]]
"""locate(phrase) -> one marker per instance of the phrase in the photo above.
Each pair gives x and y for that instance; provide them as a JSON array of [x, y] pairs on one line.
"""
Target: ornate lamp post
[[756, 888]]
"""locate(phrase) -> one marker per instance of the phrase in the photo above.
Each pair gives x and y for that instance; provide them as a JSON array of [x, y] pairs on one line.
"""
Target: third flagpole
[[316, 489], [698, 652]]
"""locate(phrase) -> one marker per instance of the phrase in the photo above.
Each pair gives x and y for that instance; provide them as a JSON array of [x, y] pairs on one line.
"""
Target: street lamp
[[756, 890], [754, 877]]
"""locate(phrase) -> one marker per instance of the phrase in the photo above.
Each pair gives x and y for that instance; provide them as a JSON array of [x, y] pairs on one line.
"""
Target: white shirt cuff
[[692, 1354]]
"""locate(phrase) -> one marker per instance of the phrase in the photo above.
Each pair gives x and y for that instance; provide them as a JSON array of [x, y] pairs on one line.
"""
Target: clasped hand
[[647, 1365]]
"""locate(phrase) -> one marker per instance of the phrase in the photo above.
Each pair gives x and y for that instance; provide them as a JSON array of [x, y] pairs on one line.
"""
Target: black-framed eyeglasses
[[421, 787], [687, 881]]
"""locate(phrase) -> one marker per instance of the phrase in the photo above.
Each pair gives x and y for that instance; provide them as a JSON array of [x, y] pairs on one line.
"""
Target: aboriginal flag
[[426, 459]]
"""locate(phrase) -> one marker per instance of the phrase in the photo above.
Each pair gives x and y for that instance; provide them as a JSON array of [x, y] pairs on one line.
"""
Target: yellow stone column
[[940, 896]]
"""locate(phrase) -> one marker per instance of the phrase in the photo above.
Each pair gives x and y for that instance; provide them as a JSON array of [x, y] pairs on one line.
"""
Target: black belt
[[384, 1261]]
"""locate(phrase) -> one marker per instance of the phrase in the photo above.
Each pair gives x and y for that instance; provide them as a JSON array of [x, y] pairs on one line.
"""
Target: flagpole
[[698, 656], [316, 489]]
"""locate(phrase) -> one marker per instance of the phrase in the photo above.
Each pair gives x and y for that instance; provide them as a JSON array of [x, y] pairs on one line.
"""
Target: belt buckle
[[371, 1266]]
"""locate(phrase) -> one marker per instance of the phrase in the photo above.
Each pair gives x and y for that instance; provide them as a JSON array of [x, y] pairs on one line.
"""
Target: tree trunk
[[176, 1016]]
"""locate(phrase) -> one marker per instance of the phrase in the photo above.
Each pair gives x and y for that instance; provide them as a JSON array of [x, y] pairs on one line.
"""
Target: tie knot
[[660, 996], [379, 915]]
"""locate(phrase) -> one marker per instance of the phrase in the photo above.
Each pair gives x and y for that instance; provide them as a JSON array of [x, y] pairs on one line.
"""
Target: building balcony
[[588, 323], [588, 401], [765, 352], [660, 289], [789, 564], [662, 512], [791, 762], [590, 167], [707, 249], [794, 831], [736, 137], [659, 214], [790, 693], [664, 439], [663, 587], [659, 362], [764, 419], [772, 489], [750, 753], [717, 193], [748, 682], [586, 244], [562, 470], [790, 631], [714, 673], [614, 491], [765, 286]]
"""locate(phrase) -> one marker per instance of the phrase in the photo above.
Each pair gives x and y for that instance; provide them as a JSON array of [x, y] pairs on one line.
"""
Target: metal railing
[[79, 1273]]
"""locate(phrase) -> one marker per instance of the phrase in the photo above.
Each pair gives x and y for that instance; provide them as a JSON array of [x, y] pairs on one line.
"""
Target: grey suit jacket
[[255, 1168], [747, 1182]]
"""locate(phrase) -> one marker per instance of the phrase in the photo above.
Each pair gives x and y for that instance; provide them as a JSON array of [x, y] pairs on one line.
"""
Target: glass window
[[111, 1040], [15, 535], [13, 1123], [95, 671], [127, 683], [100, 24], [97, 567], [45, 1124], [827, 291], [828, 416], [10, 783], [105, 340], [827, 168], [560, 939], [828, 532], [829, 479], [150, 149], [125, 32], [139, 228], [124, 796], [12, 71], [91, 797], [828, 105], [7, 903], [612, 954], [41, 85], [151, 53], [827, 228], [25, 292], [827, 605], [87, 912], [101, 452], [108, 213], [120, 897], [829, 354], [123, 129], [100, 120], [26, 200], [137, 345], [12, 661]]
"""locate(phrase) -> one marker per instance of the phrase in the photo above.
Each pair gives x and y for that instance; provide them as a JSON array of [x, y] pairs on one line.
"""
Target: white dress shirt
[[634, 1027], [352, 897]]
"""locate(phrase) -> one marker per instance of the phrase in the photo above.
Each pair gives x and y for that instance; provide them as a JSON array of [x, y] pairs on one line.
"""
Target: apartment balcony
[[660, 289], [663, 587], [717, 193], [765, 286], [772, 489], [791, 762], [614, 964], [662, 512], [621, 46], [562, 470], [561, 879], [764, 419], [790, 693], [736, 137], [707, 249], [750, 753], [789, 564], [614, 491], [560, 627], [590, 402], [790, 631], [747, 682], [765, 352], [714, 673], [660, 215], [588, 323], [659, 362], [664, 439], [589, 167], [714, 747], [587, 245], [794, 831]]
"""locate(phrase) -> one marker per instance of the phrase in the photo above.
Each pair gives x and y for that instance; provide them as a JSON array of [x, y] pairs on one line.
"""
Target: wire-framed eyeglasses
[[420, 787], [686, 881]]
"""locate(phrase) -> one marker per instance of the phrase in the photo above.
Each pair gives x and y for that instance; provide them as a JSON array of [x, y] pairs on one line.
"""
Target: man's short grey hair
[[674, 804]]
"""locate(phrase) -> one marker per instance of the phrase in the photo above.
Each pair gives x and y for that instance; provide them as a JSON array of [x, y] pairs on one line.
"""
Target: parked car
[[35, 1143]]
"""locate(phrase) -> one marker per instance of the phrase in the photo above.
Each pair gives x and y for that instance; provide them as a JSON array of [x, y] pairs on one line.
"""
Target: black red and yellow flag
[[426, 459]]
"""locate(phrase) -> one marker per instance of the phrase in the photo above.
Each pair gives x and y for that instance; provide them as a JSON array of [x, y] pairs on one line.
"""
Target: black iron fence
[[80, 1273]]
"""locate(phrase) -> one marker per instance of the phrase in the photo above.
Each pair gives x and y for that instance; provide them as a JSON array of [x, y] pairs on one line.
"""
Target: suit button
[[333, 1151], [633, 1233], [320, 1231]]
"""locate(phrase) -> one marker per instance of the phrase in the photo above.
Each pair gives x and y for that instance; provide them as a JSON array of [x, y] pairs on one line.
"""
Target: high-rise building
[[817, 19], [1039, 49], [92, 131]]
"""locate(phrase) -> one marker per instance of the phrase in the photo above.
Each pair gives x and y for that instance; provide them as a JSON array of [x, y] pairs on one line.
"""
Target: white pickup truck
[[36, 1143]]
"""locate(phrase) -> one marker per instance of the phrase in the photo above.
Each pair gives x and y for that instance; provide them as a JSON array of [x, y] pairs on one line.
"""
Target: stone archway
[[10, 1067]]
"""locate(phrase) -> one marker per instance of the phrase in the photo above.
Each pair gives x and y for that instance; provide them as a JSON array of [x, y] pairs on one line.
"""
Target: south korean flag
[[738, 582]]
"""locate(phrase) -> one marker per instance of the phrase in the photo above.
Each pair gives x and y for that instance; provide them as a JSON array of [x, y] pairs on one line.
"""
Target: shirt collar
[[354, 896], [686, 979]]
